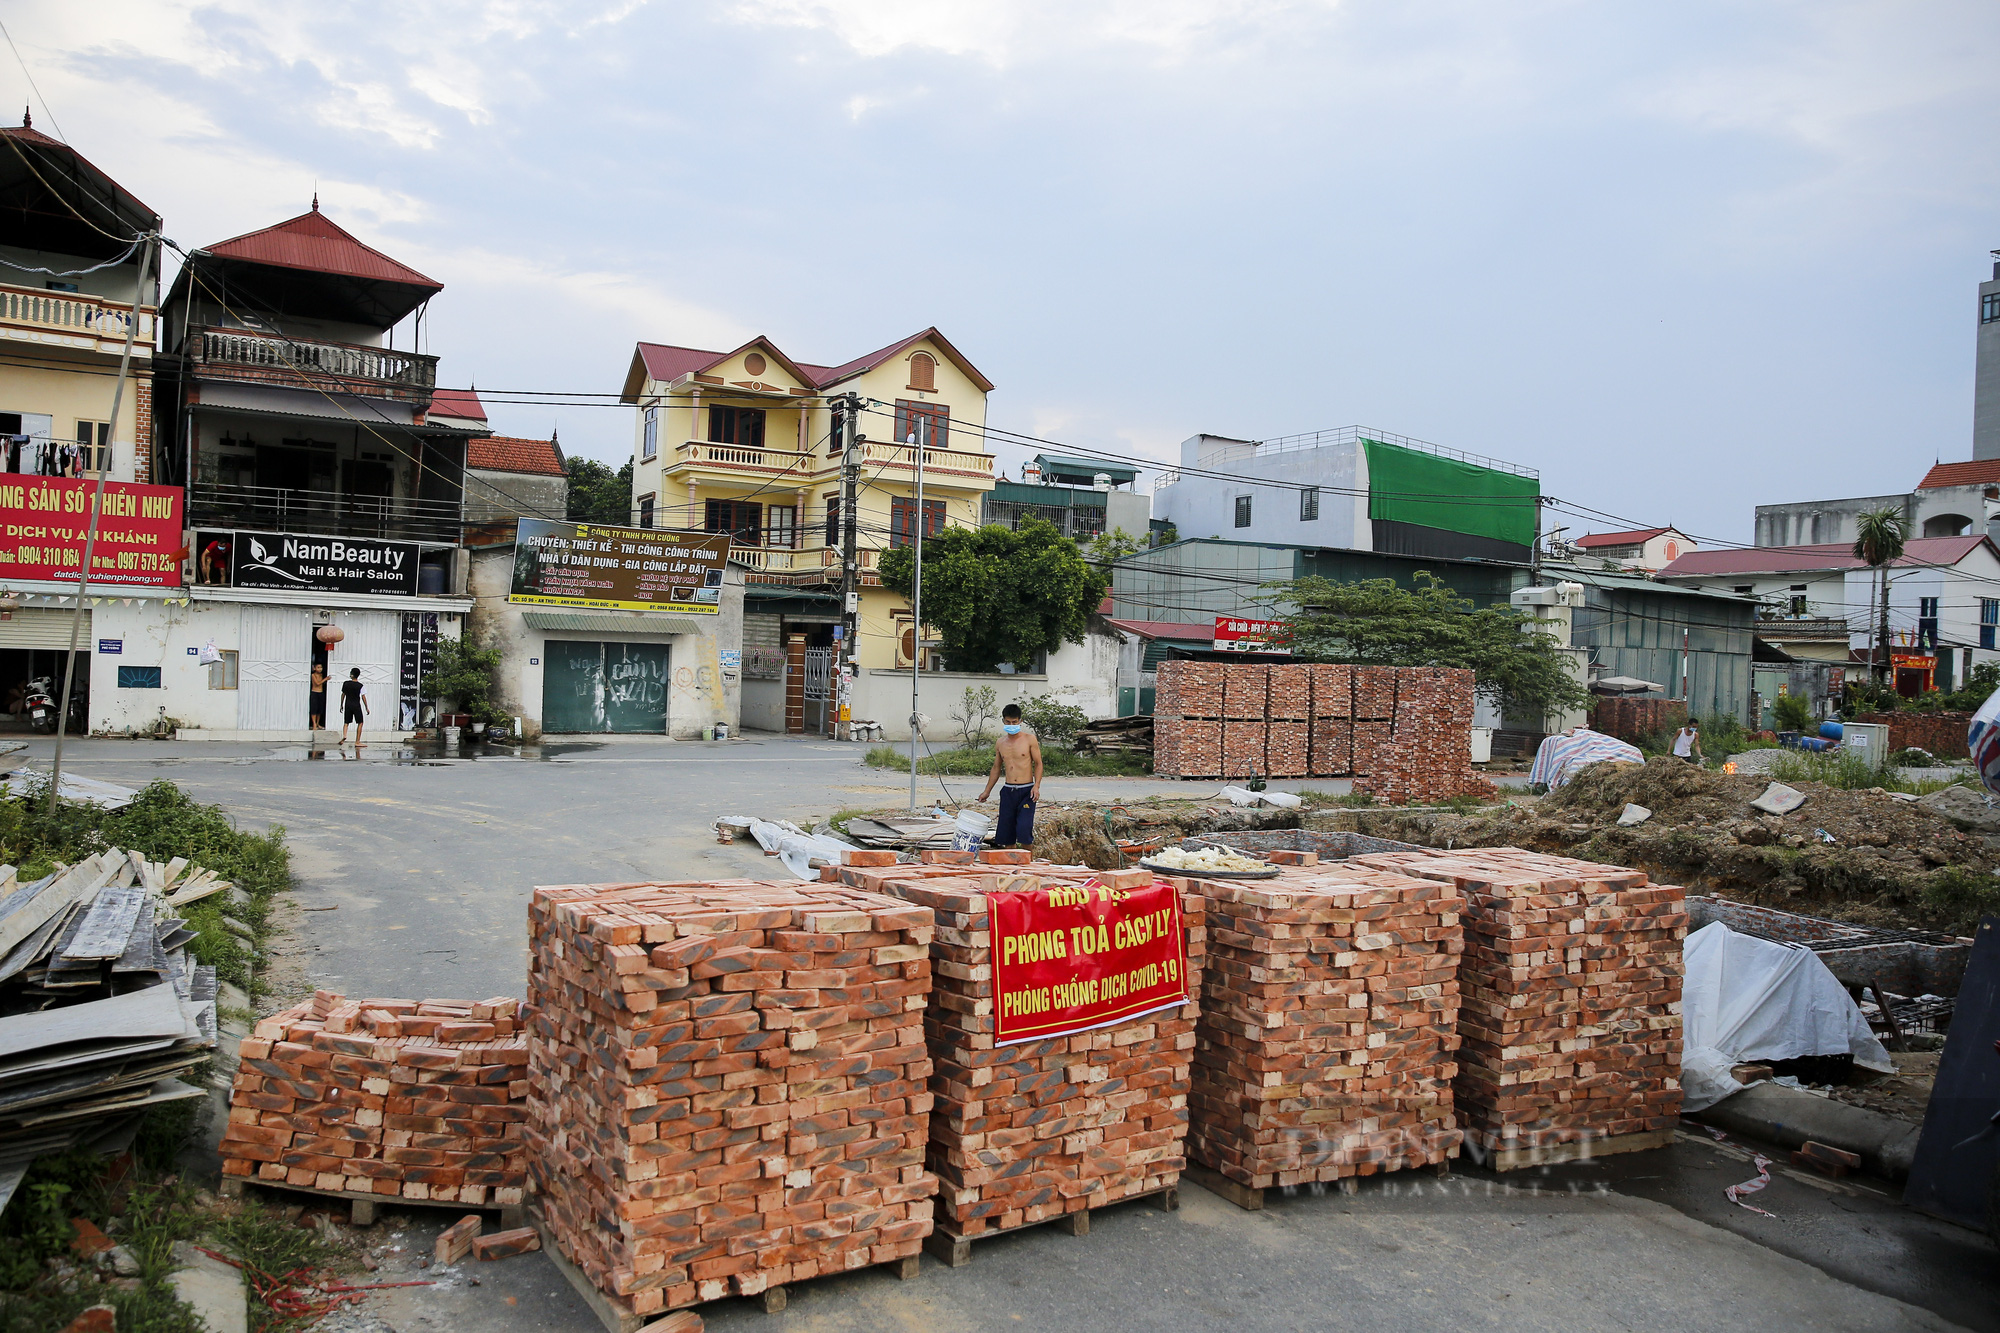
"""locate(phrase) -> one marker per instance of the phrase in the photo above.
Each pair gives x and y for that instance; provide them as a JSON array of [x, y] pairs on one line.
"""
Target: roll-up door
[[40, 627], [374, 643], [274, 669]]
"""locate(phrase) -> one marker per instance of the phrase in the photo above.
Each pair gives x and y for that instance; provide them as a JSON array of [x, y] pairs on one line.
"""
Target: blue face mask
[[1011, 728]]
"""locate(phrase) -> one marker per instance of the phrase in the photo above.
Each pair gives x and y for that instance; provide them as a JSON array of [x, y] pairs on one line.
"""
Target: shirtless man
[[1019, 756]]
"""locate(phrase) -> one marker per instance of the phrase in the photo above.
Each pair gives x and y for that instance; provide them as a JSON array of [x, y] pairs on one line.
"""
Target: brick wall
[[1631, 719], [1943, 734], [142, 433]]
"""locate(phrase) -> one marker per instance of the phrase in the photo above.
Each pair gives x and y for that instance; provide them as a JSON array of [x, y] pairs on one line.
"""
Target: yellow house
[[742, 442]]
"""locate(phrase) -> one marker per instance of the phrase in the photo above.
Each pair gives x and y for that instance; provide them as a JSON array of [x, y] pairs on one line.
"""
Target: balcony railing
[[945, 462], [335, 513], [743, 457], [815, 564], [77, 316], [348, 367]]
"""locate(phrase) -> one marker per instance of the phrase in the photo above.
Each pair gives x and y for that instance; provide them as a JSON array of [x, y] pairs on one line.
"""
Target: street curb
[[1789, 1117]]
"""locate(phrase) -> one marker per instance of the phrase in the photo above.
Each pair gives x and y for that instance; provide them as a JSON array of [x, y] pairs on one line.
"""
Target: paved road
[[427, 868]]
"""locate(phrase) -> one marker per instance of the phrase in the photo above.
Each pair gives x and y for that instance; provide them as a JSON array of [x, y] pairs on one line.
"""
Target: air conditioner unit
[[1534, 597]]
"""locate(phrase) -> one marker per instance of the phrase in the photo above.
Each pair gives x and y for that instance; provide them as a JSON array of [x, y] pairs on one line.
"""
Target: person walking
[[1018, 758], [353, 706], [1687, 743], [317, 704]]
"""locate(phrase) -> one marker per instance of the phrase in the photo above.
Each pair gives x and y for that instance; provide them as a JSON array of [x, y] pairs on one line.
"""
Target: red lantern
[[329, 635]]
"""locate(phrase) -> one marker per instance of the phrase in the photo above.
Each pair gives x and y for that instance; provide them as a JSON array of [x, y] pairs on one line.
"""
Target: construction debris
[[101, 1008], [415, 1099], [733, 1071], [1117, 735]]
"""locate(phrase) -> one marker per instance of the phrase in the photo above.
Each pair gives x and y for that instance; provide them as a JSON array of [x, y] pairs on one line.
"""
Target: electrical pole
[[917, 607], [846, 661], [150, 243]]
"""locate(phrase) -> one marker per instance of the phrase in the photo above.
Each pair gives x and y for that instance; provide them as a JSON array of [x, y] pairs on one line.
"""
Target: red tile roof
[[507, 453], [666, 361], [1166, 629], [1632, 538], [458, 403], [877, 357], [1979, 472], [313, 242], [1918, 551]]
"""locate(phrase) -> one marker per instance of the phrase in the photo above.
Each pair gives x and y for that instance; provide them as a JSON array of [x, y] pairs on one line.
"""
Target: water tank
[[430, 579]]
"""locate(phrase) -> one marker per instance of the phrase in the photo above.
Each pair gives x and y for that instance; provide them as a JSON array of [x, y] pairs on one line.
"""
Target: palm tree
[[1878, 542]]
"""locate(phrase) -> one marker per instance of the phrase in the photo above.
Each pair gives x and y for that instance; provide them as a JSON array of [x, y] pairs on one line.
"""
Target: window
[[1308, 505], [645, 511], [1927, 621], [222, 675], [1798, 605], [781, 527], [833, 520], [743, 520], [1989, 307], [923, 373], [651, 446], [935, 418], [903, 519], [736, 425], [138, 678], [1744, 589], [1242, 511], [95, 437], [1989, 620]]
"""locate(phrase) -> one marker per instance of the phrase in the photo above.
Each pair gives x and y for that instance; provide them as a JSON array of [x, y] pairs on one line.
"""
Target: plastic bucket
[[970, 830]]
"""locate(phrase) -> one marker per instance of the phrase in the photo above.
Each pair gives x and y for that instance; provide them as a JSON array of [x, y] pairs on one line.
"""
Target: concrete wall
[[1205, 506], [1082, 675], [701, 691], [1986, 379], [763, 705], [1821, 522], [497, 495]]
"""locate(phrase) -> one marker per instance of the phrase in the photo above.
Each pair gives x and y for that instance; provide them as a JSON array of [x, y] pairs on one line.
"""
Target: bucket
[[451, 735], [722, 731], [969, 831], [708, 733]]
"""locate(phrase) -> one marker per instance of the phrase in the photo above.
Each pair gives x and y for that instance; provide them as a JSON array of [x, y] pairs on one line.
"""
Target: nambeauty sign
[[1068, 958]]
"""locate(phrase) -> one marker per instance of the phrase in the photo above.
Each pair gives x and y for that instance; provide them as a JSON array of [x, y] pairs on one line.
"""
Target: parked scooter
[[40, 705]]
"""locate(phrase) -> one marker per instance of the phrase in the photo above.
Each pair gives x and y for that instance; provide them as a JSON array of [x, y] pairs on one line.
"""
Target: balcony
[[742, 458], [812, 566], [943, 463], [334, 513], [72, 319], [262, 358], [1800, 627]]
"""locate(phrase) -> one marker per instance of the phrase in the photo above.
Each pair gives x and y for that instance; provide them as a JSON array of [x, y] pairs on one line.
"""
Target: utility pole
[[1535, 549], [917, 607], [846, 663], [148, 246]]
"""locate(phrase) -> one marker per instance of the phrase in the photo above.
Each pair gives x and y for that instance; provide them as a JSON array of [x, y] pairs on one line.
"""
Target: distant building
[[1647, 548], [1986, 375], [1950, 501], [1356, 489], [507, 476], [1078, 512]]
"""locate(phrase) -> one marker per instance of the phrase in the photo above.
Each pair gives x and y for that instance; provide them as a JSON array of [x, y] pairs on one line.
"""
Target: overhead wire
[[30, 75]]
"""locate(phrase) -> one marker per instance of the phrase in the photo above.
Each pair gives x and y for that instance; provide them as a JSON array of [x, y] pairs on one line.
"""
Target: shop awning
[[581, 622]]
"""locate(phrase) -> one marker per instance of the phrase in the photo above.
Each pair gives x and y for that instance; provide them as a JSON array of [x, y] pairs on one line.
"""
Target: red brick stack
[[1187, 703], [419, 1099], [1287, 746], [1028, 1132], [1332, 720], [1246, 723], [1570, 1010], [1328, 1022], [1423, 754], [728, 1084]]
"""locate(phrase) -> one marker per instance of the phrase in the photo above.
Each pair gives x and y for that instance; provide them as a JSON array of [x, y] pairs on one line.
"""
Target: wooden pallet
[[616, 1320], [955, 1251], [1513, 1159], [361, 1207], [1251, 1199]]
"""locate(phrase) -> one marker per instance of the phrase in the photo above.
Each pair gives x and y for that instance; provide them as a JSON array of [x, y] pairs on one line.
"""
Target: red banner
[[1068, 958], [44, 520]]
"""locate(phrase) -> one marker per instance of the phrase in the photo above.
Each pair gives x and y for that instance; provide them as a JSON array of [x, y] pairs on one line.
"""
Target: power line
[[32, 84]]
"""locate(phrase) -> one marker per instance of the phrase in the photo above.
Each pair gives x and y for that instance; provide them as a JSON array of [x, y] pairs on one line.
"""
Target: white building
[[1645, 548]]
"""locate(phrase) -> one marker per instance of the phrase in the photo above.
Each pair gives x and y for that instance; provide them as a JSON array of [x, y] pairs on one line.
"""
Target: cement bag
[[1749, 999]]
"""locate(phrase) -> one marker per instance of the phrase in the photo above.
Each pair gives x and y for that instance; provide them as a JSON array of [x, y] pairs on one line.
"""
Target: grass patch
[[163, 822], [977, 761], [1850, 772], [1961, 896]]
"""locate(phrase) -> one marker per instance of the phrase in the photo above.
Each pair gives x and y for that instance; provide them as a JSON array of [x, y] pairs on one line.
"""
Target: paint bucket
[[722, 731], [708, 733], [969, 831]]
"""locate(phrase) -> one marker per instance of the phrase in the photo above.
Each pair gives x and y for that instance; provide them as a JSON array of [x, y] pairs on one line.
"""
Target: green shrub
[[464, 672], [1793, 712], [1056, 722], [977, 761], [1962, 896], [1985, 679], [1849, 772]]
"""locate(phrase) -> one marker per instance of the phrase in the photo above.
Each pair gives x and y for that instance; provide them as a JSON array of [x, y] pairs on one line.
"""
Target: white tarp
[[800, 851], [1749, 999]]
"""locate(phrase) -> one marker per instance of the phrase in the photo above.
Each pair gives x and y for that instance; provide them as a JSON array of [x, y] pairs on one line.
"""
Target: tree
[[1376, 623], [1108, 546], [1878, 542], [464, 672], [597, 494], [996, 595]]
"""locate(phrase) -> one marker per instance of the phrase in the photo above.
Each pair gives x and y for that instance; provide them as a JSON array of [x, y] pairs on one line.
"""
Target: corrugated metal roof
[[457, 403], [1632, 538], [507, 453], [1832, 555], [1167, 629], [582, 622], [314, 243]]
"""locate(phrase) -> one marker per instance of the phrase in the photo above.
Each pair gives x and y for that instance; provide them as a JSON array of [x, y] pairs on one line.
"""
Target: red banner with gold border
[[1068, 958]]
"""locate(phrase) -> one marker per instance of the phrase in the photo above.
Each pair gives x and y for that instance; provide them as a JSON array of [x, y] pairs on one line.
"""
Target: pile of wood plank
[[418, 1099], [1117, 735], [1029, 1132], [1328, 1024], [727, 1084], [1403, 733], [1570, 1002], [101, 1007]]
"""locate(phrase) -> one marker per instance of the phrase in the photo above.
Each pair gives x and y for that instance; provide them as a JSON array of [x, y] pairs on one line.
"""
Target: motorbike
[[40, 705]]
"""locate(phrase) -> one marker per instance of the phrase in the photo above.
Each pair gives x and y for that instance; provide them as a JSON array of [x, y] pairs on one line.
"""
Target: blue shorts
[[1017, 816]]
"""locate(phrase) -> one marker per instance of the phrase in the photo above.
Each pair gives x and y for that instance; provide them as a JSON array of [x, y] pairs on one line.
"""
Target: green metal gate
[[599, 687]]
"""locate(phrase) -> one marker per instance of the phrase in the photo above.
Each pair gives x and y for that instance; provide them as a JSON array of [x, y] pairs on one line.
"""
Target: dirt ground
[[1903, 1095]]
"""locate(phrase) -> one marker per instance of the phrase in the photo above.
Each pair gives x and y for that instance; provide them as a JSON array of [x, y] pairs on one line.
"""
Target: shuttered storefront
[[44, 628], [594, 686]]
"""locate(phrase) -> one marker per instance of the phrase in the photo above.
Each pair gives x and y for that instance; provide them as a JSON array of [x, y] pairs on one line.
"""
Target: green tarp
[[1410, 486]]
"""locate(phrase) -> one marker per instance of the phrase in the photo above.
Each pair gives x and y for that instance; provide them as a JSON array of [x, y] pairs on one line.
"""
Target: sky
[[1683, 259]]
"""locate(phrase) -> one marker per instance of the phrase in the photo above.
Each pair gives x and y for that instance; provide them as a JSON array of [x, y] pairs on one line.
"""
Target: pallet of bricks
[[1569, 1005], [1043, 1130], [1329, 1019], [413, 1101], [727, 1088]]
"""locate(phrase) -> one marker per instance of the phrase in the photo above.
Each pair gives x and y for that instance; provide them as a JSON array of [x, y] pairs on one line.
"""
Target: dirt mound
[[1672, 789], [1083, 834]]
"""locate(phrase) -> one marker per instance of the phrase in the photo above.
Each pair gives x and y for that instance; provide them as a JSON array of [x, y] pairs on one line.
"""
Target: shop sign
[[44, 522], [1234, 634], [594, 568], [1069, 958], [111, 647], [307, 563]]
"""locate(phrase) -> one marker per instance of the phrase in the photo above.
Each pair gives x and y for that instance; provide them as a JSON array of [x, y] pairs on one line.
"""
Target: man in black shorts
[[1017, 758], [353, 705]]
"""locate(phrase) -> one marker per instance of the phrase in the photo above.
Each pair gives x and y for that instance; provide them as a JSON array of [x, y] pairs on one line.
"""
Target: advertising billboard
[[44, 521], [595, 568]]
